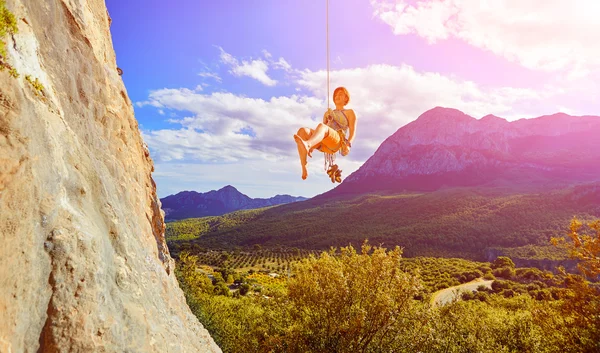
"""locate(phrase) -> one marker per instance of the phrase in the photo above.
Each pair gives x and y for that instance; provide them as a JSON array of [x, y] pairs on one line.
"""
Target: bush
[[244, 288], [499, 285], [503, 261], [222, 289], [489, 276], [504, 272], [343, 302], [467, 295], [530, 274], [508, 293]]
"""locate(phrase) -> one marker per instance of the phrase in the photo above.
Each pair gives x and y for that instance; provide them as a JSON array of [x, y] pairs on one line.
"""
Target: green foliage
[[582, 308], [502, 261], [344, 301], [448, 223], [504, 272], [262, 260], [197, 281], [480, 326], [222, 289], [374, 301], [441, 273], [535, 252], [8, 25], [489, 276], [244, 288], [36, 84], [350, 302], [192, 228]]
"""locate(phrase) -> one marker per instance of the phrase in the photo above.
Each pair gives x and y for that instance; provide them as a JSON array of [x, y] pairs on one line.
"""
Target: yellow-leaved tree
[[584, 247], [582, 309]]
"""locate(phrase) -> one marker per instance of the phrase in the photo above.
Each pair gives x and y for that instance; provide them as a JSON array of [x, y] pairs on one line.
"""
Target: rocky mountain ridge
[[189, 204], [445, 147]]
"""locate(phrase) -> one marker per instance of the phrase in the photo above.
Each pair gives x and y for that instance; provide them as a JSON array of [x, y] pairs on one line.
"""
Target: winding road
[[446, 295]]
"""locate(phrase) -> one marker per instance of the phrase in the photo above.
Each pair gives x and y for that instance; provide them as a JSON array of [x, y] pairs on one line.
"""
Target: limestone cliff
[[83, 262]]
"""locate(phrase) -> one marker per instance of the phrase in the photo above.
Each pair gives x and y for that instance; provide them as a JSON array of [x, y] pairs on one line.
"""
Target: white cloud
[[213, 129], [545, 35], [209, 74], [282, 64], [256, 69], [266, 54]]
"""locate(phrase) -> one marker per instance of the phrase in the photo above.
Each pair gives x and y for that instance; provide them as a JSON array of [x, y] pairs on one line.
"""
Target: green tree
[[503, 261], [504, 272], [244, 288], [353, 303], [230, 279], [196, 281]]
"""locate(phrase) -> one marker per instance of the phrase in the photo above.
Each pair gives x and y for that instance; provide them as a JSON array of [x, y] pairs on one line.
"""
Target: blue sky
[[219, 87]]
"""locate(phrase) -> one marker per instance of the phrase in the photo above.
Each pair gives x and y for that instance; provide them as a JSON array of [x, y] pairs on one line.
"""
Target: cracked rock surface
[[83, 264]]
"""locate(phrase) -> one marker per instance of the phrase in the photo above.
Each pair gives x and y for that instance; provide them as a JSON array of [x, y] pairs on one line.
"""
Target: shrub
[[8, 25], [503, 261], [489, 276], [504, 272]]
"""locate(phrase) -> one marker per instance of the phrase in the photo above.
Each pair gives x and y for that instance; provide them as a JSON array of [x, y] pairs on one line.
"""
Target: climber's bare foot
[[303, 152]]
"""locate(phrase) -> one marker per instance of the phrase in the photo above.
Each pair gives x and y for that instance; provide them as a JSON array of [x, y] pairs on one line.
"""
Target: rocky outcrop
[[83, 262], [445, 147], [189, 204]]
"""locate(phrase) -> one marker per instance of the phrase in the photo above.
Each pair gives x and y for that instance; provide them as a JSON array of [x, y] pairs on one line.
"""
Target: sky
[[220, 87]]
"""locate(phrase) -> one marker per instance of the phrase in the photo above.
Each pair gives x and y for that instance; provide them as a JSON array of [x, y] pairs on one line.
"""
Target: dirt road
[[445, 296]]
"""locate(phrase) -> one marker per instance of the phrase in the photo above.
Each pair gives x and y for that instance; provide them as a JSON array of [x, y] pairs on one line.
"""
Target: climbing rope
[[329, 157], [327, 39], [332, 169]]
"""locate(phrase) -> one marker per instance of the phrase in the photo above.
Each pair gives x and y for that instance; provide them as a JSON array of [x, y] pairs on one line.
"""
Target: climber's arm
[[351, 125]]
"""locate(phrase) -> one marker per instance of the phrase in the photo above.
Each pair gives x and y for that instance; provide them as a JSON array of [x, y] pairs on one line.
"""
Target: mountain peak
[[492, 117], [216, 202], [442, 114]]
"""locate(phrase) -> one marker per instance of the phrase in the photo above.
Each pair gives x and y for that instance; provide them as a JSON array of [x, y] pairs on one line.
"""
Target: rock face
[[83, 262], [445, 147], [189, 204]]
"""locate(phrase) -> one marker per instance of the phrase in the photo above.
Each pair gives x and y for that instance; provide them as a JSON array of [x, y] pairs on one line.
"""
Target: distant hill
[[458, 222], [190, 204]]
